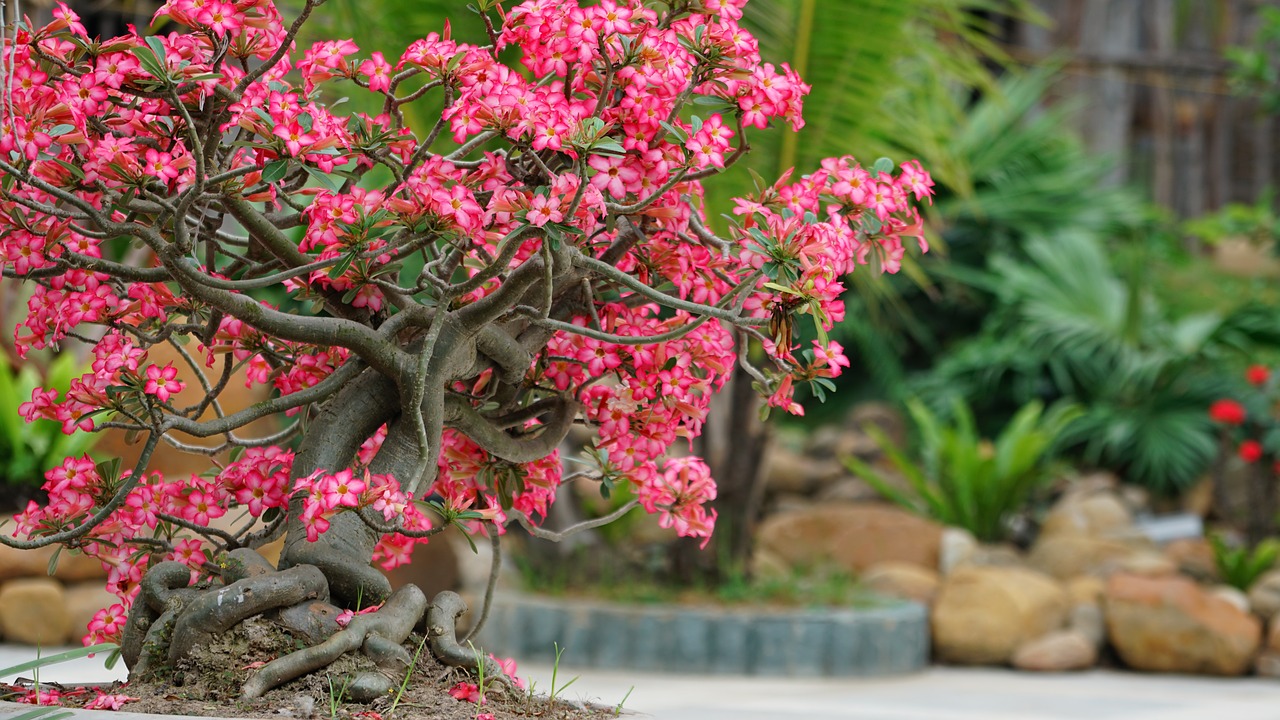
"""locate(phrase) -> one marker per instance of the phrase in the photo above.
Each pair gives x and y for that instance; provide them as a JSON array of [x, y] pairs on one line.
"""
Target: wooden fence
[[1151, 81]]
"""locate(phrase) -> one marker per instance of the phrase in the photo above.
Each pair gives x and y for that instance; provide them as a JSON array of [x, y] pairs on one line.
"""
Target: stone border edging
[[888, 640]]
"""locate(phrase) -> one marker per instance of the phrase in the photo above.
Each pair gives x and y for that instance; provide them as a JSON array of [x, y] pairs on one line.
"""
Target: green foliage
[[1256, 223], [1255, 69], [1067, 325], [963, 479], [27, 450], [1007, 172], [1240, 567]]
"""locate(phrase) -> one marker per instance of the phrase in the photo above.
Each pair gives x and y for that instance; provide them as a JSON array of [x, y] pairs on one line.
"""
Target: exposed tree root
[[169, 619]]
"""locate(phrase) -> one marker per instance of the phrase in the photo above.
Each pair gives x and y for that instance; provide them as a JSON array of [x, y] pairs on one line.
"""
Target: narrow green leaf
[[322, 178], [59, 658]]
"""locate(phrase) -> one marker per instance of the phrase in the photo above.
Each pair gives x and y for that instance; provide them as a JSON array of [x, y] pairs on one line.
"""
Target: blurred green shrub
[[1067, 325], [1241, 566], [963, 479], [27, 450]]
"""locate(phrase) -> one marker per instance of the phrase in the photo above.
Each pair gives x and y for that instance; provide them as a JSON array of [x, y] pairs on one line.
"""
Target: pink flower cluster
[[601, 161]]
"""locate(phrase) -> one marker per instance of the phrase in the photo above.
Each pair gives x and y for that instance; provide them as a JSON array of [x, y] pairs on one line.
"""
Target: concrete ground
[[936, 694]]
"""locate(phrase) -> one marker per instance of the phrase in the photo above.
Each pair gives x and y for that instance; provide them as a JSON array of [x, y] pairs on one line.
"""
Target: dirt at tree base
[[207, 684]]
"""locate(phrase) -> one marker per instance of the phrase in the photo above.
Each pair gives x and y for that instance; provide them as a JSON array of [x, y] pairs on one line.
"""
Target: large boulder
[[1068, 556], [957, 545], [983, 614], [902, 580], [83, 601], [1094, 514], [789, 472], [33, 611], [850, 537], [1057, 652], [71, 567], [1194, 557], [1090, 531], [1264, 594], [1171, 624]]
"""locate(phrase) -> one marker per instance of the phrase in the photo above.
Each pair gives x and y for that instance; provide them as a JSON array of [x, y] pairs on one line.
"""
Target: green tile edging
[[885, 640]]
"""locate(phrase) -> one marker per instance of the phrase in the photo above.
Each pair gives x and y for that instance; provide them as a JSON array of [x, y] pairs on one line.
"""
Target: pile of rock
[[1092, 588], [37, 609]]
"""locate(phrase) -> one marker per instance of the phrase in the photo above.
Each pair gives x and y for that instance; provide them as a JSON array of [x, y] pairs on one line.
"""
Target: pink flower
[[161, 382], [467, 692], [107, 624], [543, 210], [108, 702], [342, 489]]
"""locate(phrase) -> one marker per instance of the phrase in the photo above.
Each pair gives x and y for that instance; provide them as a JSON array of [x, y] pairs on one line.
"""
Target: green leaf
[[73, 169], [59, 658], [149, 62], [275, 171], [157, 47], [883, 166], [675, 130], [53, 561], [608, 147], [344, 264], [322, 178]]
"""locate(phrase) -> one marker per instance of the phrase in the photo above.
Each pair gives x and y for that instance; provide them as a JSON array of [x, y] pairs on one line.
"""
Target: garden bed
[[889, 639]]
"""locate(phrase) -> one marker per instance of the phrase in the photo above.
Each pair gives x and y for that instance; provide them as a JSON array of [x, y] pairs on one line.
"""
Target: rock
[[882, 415], [1264, 594], [1170, 624], [1060, 651], [995, 555], [789, 472], [83, 601], [955, 547], [850, 489], [902, 580], [850, 537], [1267, 664], [1273, 634], [1137, 500], [790, 502], [1068, 556], [831, 442], [1194, 558], [1198, 500], [1096, 514], [1146, 562], [1087, 620], [33, 611], [1100, 481], [1232, 595], [1085, 590], [23, 563], [983, 614]]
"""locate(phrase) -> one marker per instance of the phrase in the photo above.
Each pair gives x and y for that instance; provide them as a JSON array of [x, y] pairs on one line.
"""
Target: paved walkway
[[937, 694]]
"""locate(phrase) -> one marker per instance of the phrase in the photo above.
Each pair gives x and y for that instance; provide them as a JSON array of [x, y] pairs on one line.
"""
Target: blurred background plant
[[27, 450], [965, 480], [1240, 566]]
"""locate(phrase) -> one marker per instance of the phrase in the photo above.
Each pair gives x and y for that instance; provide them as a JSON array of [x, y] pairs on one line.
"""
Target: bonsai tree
[[431, 317]]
